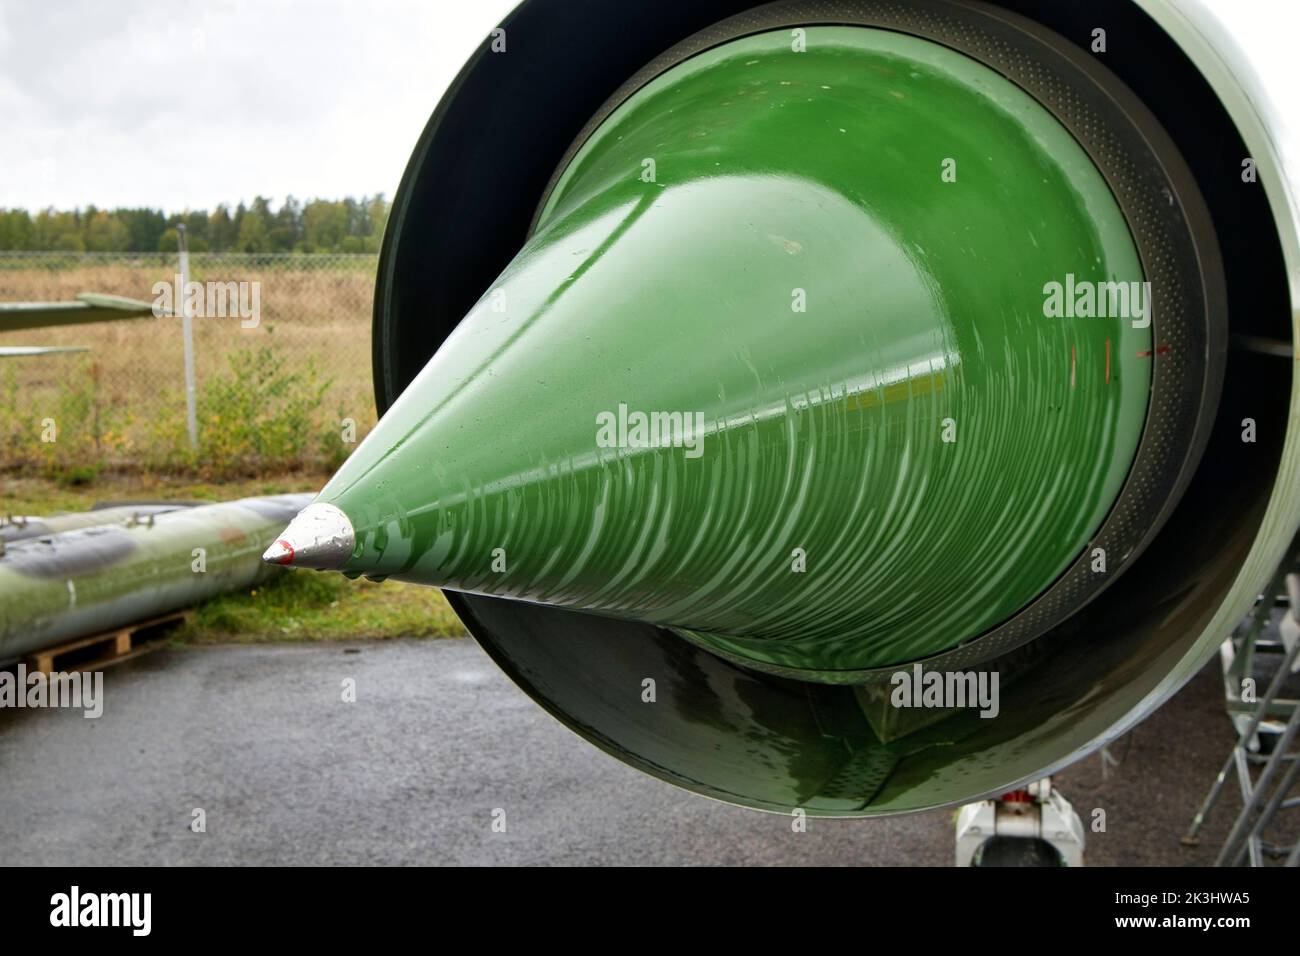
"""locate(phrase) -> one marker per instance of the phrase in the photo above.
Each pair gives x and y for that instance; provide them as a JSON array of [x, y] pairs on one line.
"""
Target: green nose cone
[[799, 361]]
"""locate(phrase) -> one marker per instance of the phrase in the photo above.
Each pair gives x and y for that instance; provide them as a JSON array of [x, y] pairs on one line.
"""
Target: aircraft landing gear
[[1035, 826]]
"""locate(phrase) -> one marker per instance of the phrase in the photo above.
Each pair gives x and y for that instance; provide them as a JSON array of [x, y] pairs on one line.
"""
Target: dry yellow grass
[[309, 316]]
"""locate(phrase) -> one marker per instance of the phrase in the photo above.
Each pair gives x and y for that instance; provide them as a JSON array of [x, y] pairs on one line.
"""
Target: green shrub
[[260, 415]]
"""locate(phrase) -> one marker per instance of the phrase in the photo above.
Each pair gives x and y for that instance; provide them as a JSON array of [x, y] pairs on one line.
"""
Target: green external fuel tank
[[119, 570], [21, 527]]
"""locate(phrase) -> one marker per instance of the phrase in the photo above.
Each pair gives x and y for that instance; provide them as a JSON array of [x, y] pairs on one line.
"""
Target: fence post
[[187, 325]]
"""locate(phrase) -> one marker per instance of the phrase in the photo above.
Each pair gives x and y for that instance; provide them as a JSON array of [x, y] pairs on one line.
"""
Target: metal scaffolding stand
[[1258, 721]]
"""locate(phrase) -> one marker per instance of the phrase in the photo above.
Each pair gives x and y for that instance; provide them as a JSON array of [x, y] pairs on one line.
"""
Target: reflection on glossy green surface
[[899, 451]]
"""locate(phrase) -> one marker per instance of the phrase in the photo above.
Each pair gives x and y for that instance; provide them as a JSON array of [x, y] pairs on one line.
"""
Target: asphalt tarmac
[[286, 772]]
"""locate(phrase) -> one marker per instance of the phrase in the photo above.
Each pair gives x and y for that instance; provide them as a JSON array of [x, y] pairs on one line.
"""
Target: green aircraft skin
[[89, 307], [36, 351]]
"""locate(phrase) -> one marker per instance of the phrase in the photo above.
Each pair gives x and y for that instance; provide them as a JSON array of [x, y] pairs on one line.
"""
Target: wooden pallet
[[108, 648]]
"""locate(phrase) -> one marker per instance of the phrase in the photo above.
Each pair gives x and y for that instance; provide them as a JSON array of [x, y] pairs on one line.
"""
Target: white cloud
[[187, 103], [172, 104]]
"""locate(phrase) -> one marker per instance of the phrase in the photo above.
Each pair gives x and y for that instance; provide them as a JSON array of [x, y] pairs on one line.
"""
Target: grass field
[[123, 403], [305, 606], [33, 495], [298, 606]]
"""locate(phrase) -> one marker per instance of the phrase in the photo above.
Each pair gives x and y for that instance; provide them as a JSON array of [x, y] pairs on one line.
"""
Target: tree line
[[318, 225]]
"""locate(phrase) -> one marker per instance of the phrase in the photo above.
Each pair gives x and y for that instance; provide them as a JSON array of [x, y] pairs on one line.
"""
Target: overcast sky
[[184, 104], [187, 103]]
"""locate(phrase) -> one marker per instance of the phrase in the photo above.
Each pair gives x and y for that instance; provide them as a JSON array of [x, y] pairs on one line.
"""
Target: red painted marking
[[1162, 350], [1107, 361], [287, 559]]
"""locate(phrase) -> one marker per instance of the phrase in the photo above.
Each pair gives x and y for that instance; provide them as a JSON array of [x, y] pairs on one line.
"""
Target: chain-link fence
[[282, 363]]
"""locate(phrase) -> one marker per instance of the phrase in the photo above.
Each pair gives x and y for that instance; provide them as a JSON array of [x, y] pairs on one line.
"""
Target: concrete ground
[[286, 773]]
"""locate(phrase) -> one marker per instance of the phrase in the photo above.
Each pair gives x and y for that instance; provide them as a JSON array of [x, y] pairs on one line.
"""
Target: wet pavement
[[260, 739]]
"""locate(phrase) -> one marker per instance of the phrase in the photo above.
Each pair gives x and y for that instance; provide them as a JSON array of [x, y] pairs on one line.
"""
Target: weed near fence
[[291, 391]]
